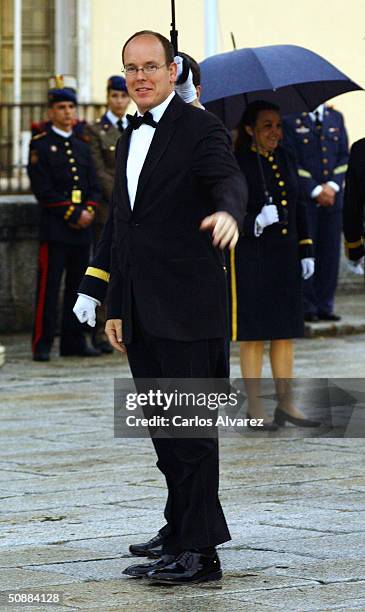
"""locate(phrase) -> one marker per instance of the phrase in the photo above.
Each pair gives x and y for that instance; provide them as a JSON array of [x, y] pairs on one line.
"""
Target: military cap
[[117, 82], [62, 88]]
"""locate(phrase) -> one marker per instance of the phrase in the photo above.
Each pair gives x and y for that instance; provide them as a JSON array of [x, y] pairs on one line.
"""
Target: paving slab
[[72, 498]]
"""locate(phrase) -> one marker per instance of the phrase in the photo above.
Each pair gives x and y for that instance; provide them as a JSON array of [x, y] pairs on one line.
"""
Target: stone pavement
[[73, 497]]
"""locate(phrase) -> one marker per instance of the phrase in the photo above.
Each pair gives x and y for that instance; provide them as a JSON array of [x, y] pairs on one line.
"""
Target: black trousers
[[193, 511], [54, 259]]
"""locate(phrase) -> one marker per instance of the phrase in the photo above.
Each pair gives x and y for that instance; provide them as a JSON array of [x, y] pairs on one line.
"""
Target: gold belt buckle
[[76, 196]]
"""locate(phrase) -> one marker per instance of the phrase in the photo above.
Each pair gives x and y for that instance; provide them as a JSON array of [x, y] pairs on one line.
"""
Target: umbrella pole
[[173, 31]]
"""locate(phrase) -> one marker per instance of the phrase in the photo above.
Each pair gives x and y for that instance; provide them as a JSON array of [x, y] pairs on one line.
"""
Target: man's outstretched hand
[[223, 227], [113, 330]]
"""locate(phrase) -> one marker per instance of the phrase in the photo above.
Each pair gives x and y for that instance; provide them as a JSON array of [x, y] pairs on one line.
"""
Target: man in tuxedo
[[178, 200], [93, 288]]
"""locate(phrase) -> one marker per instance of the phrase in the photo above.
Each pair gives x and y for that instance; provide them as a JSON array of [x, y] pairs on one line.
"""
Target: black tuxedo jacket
[[162, 264]]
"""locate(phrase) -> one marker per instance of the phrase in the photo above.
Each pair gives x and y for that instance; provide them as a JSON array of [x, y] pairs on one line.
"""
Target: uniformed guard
[[63, 180], [319, 141], [354, 203], [103, 136]]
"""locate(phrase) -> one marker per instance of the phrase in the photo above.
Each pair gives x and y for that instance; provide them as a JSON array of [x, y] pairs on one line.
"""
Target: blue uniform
[[321, 150], [63, 180]]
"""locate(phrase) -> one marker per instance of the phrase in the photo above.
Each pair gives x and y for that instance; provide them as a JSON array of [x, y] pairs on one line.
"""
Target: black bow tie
[[136, 121]]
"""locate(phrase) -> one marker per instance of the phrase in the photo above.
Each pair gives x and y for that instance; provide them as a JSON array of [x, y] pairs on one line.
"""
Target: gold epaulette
[[37, 136]]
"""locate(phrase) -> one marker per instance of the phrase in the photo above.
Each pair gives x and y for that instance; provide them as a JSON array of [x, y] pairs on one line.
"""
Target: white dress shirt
[[61, 132], [138, 148], [114, 119], [320, 111]]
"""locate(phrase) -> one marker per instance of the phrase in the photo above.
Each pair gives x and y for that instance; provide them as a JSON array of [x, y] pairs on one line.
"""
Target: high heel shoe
[[271, 426], [281, 417]]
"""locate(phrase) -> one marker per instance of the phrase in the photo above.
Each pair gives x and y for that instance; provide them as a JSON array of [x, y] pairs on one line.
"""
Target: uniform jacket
[[322, 155], [79, 128], [354, 204], [283, 185], [59, 167], [103, 138], [159, 255]]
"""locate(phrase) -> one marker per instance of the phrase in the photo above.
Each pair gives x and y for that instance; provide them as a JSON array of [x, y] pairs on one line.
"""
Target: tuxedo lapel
[[121, 165], [163, 134]]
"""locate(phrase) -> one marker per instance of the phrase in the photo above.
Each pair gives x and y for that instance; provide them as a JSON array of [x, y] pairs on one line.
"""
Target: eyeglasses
[[148, 69]]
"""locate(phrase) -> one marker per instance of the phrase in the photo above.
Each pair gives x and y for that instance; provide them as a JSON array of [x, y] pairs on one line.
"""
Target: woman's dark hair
[[249, 117]]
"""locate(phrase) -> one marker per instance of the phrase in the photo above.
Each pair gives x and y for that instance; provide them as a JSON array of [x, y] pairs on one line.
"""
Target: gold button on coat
[[284, 231], [281, 183], [284, 202]]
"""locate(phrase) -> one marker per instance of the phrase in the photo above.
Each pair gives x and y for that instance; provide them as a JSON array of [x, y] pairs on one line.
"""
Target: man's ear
[[249, 130], [198, 91], [173, 72]]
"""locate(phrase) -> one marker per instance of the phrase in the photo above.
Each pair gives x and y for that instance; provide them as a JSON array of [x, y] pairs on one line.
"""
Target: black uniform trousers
[[193, 512], [54, 259], [325, 229]]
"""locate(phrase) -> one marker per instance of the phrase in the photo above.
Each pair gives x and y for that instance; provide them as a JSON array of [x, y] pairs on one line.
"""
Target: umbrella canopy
[[293, 77]]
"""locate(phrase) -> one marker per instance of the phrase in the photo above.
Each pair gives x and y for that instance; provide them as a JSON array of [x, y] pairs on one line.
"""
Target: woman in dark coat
[[272, 256]]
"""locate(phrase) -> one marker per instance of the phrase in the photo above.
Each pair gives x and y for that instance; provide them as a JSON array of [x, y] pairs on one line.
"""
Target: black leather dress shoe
[[325, 316], [41, 356], [281, 417], [188, 568], [104, 347], [266, 425], [85, 351], [310, 317], [141, 569], [151, 549]]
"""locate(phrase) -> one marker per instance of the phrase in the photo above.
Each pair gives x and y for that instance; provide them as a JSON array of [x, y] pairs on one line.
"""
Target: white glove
[[186, 90], [268, 215], [85, 309], [356, 267], [307, 267]]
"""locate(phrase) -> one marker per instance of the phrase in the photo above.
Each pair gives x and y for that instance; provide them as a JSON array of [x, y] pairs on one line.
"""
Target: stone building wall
[[19, 220]]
